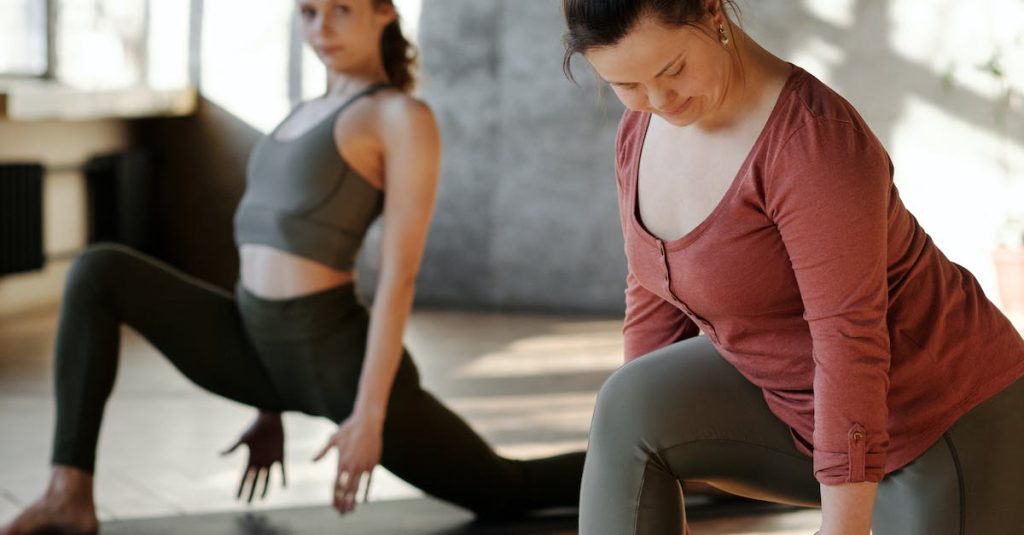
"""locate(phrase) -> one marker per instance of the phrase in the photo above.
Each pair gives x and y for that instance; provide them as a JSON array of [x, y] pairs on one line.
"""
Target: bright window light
[[23, 37]]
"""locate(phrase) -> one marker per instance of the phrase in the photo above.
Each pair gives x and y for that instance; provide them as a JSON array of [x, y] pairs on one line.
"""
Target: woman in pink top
[[846, 362]]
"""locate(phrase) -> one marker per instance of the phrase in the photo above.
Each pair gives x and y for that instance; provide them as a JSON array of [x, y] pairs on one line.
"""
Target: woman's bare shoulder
[[401, 115], [397, 108]]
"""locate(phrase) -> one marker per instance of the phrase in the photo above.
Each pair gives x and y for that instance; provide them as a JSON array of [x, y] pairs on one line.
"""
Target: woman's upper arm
[[829, 198], [412, 154]]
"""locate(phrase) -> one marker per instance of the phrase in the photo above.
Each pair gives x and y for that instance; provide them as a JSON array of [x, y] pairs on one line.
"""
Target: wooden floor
[[527, 383]]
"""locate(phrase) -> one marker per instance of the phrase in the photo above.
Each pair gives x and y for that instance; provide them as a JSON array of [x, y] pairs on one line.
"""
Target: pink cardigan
[[816, 283]]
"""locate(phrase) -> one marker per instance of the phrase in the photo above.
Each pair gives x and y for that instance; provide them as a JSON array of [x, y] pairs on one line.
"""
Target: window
[[23, 43], [100, 44], [97, 44]]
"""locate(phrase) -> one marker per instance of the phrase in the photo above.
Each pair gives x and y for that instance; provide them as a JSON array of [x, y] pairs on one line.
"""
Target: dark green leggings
[[684, 413], [303, 354]]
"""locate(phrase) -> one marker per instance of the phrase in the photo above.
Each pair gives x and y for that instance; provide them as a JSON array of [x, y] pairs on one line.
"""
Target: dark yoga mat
[[421, 516]]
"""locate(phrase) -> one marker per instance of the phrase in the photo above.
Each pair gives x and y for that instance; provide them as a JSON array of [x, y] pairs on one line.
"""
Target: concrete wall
[[526, 216]]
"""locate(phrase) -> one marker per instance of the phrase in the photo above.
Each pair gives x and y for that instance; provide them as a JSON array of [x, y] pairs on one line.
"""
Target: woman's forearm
[[846, 509], [388, 317]]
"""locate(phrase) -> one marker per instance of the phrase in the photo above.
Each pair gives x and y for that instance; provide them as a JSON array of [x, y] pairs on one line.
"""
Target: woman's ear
[[713, 9], [385, 13]]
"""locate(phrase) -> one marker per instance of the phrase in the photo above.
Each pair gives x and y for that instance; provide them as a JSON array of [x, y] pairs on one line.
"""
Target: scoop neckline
[[319, 122], [694, 233], [373, 88]]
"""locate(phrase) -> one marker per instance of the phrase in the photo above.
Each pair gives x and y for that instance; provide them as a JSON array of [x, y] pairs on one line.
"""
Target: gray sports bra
[[303, 198]]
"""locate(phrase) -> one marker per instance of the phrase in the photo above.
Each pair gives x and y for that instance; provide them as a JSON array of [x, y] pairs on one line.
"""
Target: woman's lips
[[327, 50]]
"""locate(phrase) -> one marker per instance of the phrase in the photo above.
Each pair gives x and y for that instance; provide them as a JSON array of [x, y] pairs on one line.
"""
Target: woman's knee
[[671, 391], [96, 264], [626, 405]]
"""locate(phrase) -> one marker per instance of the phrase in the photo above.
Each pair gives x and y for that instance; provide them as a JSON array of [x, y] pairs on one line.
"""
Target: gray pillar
[[526, 216]]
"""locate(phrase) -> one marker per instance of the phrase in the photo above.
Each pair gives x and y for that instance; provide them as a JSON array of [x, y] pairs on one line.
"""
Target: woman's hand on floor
[[359, 442], [265, 440]]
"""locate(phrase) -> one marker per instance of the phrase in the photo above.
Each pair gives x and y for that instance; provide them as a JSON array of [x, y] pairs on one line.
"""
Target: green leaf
[[992, 66]]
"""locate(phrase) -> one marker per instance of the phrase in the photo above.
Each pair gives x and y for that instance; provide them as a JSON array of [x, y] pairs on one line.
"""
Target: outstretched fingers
[[366, 492], [347, 487], [246, 476], [266, 482], [323, 451], [255, 483], [231, 449]]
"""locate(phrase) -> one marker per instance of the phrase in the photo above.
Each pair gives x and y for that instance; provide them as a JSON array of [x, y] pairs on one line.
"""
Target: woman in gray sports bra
[[294, 336]]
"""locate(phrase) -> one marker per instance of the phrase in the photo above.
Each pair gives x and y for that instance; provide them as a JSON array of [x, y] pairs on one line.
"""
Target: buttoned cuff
[[855, 465]]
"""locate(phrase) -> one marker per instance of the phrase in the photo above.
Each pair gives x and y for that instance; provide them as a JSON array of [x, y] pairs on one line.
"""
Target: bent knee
[[100, 258], [626, 403], [659, 395], [97, 263]]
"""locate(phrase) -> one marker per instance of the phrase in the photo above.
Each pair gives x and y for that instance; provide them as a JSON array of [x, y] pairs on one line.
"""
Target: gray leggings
[[684, 413]]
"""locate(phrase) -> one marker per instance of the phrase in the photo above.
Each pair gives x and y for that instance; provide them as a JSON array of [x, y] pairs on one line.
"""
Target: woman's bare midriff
[[275, 274]]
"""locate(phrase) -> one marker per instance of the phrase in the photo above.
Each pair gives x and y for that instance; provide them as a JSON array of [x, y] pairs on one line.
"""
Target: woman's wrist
[[369, 414], [846, 509]]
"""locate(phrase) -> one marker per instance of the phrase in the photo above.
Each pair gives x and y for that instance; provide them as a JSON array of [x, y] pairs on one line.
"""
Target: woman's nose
[[662, 99], [320, 24]]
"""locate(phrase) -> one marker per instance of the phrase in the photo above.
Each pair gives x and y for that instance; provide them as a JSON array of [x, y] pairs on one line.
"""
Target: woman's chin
[[678, 120], [333, 62]]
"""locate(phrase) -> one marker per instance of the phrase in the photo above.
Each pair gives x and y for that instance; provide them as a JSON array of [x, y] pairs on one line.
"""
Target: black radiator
[[21, 217], [121, 201]]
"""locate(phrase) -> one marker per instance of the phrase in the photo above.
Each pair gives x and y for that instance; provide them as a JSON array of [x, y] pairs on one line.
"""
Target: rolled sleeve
[[831, 210]]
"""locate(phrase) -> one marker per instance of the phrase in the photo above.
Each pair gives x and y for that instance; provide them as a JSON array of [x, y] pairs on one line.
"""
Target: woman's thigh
[[968, 482], [195, 325], [989, 443], [315, 350]]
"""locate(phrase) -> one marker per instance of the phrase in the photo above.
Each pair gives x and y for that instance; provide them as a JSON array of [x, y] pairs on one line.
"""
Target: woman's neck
[[346, 83], [754, 69]]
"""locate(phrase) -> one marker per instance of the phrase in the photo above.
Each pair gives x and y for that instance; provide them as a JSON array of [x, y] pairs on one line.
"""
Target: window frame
[[49, 22]]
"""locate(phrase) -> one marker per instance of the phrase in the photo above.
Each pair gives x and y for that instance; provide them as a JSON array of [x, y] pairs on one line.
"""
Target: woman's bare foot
[[66, 507]]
